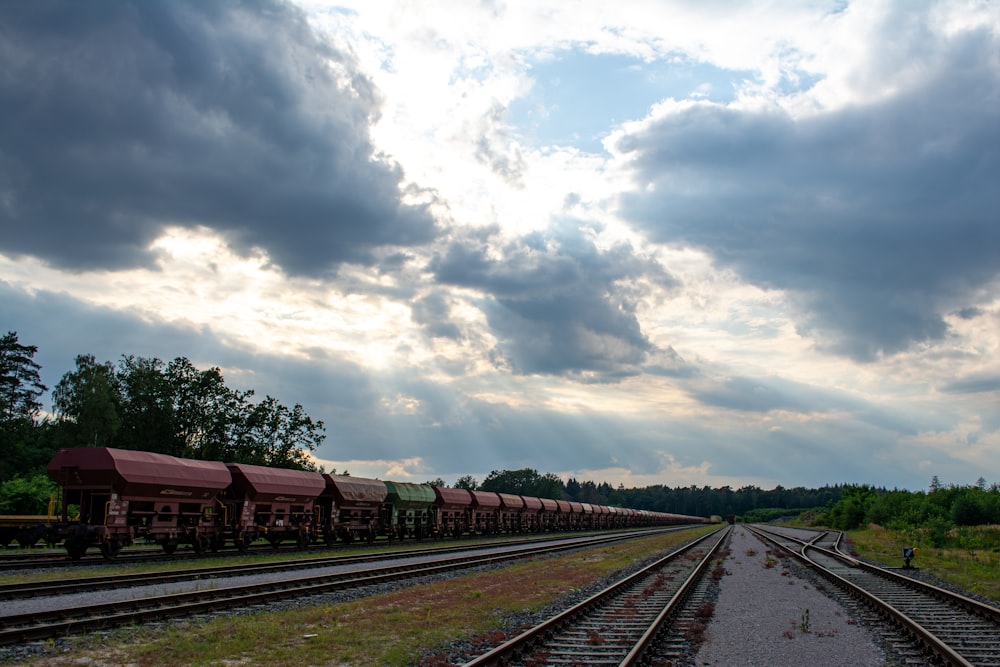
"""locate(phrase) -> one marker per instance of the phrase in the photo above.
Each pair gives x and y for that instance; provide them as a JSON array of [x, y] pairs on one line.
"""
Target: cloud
[[975, 384], [877, 218], [123, 118], [555, 302], [433, 312]]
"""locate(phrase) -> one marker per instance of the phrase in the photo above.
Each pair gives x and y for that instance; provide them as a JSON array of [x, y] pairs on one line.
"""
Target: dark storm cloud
[[122, 117], [878, 219], [556, 303]]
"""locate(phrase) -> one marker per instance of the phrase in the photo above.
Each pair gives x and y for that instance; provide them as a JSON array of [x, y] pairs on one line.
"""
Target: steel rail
[[517, 646]]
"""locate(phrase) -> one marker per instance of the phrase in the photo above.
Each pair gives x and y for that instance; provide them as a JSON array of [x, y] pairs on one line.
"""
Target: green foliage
[[938, 518], [88, 403], [525, 482], [20, 387], [467, 482], [23, 495], [20, 383]]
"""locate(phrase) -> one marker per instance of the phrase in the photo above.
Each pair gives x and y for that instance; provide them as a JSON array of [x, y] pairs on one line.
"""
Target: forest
[[175, 408]]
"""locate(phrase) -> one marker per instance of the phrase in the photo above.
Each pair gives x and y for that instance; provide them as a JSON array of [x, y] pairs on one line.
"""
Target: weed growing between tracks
[[389, 629]]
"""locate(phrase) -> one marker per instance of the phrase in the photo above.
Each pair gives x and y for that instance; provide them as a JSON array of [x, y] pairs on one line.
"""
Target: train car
[[454, 508], [510, 512], [531, 521], [563, 515], [408, 510], [547, 517], [123, 495], [576, 515], [351, 508], [29, 529], [274, 503], [485, 512]]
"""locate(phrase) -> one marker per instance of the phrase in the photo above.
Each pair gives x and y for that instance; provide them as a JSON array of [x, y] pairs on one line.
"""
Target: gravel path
[[768, 612]]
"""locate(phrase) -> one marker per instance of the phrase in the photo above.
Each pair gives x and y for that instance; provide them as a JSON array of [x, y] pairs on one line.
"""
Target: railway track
[[619, 625], [63, 617], [948, 628], [17, 561], [64, 586], [13, 562]]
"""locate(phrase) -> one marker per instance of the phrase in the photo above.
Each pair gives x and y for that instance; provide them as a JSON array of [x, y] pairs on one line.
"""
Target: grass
[[974, 570], [384, 630]]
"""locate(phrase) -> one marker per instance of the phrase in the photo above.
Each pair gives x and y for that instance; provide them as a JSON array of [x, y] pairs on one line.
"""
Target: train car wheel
[[76, 548], [243, 543], [302, 543], [169, 547], [110, 549]]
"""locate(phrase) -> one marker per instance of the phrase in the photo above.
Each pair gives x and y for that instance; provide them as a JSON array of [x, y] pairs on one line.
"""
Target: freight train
[[111, 498]]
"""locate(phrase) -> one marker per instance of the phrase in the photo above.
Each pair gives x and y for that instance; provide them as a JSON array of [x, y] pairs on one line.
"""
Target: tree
[[277, 436], [20, 387], [87, 401], [524, 482], [149, 420], [206, 411], [20, 382], [467, 482]]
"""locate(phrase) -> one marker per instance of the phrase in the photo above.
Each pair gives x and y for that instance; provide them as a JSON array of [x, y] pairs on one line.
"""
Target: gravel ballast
[[769, 612]]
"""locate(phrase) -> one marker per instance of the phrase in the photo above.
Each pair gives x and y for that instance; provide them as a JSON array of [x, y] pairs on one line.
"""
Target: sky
[[708, 243]]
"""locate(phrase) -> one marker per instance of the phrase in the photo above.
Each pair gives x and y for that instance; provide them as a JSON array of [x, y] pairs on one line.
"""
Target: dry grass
[[391, 629]]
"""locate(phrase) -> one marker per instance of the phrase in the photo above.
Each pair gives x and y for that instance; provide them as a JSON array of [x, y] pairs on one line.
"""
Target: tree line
[[749, 502]]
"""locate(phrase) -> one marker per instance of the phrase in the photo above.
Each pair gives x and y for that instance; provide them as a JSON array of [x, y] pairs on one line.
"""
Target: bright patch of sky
[[578, 97]]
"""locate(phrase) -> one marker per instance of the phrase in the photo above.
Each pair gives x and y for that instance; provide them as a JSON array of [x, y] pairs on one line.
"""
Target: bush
[[23, 495]]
